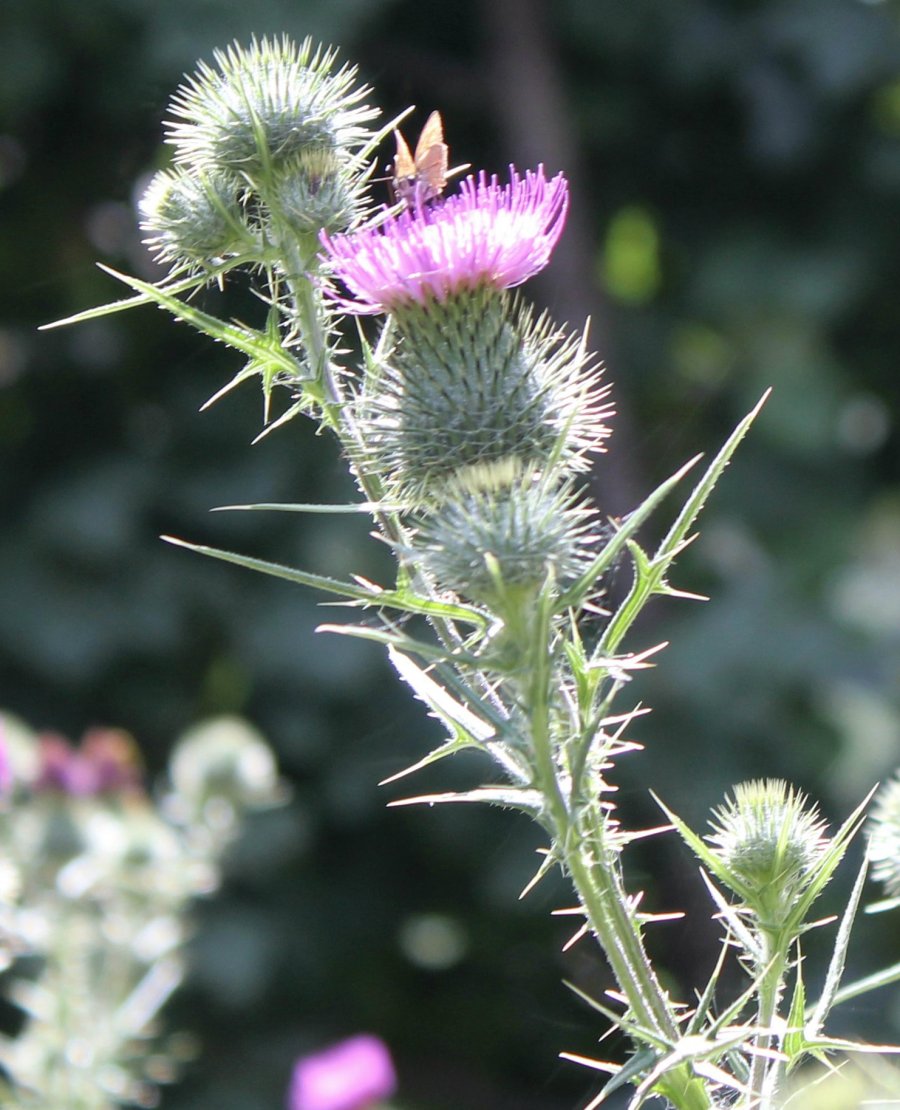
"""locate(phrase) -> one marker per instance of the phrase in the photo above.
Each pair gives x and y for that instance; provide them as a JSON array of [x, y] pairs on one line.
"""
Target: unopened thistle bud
[[770, 840], [318, 191], [223, 766], [884, 837], [498, 532], [196, 220], [264, 106]]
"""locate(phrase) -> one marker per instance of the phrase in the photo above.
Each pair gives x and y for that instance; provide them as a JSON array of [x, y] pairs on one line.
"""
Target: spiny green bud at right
[[770, 839], [884, 837], [498, 531]]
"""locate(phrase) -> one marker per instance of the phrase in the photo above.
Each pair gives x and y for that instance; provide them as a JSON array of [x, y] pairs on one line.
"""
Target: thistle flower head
[[884, 837], [259, 107], [487, 234], [770, 840]]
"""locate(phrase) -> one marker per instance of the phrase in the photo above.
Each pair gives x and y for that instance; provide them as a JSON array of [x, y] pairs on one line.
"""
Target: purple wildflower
[[487, 234], [351, 1075], [106, 763]]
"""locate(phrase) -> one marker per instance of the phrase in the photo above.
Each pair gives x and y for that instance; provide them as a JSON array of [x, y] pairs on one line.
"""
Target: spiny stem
[[761, 1085]]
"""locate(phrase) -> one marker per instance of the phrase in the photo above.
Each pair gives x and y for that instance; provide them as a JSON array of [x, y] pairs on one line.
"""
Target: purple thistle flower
[[487, 234], [7, 776], [351, 1075]]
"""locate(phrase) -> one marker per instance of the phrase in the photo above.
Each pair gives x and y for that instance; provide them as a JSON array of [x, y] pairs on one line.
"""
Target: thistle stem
[[763, 1071], [597, 880]]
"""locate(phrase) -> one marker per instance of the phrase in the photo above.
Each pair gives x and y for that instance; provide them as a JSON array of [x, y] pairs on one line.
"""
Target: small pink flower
[[108, 762], [351, 1075], [487, 234]]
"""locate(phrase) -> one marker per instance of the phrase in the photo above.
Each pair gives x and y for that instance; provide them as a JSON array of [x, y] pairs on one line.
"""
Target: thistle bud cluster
[[95, 884], [269, 149]]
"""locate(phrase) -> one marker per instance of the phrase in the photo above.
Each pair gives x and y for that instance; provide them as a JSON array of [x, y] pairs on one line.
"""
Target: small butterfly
[[421, 177]]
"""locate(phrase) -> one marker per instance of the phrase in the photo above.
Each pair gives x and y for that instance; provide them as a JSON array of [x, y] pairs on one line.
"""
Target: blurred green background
[[735, 224]]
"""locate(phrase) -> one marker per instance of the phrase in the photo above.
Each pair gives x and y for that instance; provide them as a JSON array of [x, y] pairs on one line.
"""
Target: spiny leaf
[[368, 595], [877, 979], [793, 1043], [703, 851], [530, 802], [184, 286], [694, 504], [576, 593], [406, 644], [453, 713], [259, 346], [826, 865], [839, 955]]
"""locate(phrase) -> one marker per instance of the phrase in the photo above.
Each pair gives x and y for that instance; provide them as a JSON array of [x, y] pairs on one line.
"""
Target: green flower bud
[[472, 380], [195, 219], [499, 530], [318, 191], [265, 105], [221, 767], [771, 841]]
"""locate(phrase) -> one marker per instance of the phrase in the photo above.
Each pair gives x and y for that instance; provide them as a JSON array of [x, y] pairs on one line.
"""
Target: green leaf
[[184, 286], [793, 1044], [650, 573], [678, 533], [829, 861], [704, 853], [277, 570], [580, 589], [457, 717], [262, 347], [877, 979], [530, 802], [839, 955], [406, 644], [368, 507], [368, 595]]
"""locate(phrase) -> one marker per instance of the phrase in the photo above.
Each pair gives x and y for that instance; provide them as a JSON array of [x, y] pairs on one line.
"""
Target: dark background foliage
[[735, 171]]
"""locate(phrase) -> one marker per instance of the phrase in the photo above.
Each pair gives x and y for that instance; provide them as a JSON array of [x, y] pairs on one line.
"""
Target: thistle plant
[[469, 424], [95, 887]]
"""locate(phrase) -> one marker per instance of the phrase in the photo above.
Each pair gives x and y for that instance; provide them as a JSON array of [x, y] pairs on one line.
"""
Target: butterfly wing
[[431, 157], [404, 165], [421, 177]]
